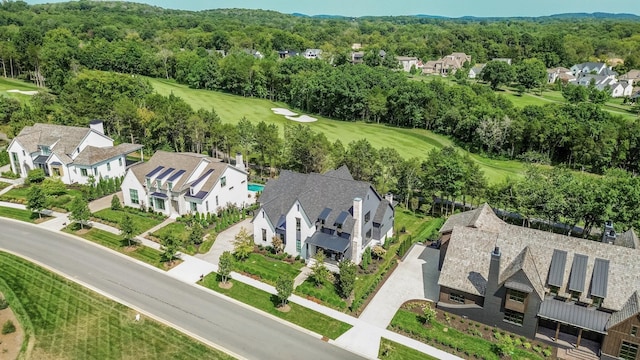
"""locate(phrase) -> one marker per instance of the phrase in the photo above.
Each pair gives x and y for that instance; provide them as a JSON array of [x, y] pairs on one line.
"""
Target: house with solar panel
[[329, 211], [540, 284], [177, 184], [74, 154]]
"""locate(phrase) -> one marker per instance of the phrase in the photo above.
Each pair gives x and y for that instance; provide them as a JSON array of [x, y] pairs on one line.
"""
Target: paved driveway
[[415, 278], [224, 241]]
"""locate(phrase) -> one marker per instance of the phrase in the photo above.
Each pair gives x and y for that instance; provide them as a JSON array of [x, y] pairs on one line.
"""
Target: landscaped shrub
[[35, 176], [3, 303], [8, 327]]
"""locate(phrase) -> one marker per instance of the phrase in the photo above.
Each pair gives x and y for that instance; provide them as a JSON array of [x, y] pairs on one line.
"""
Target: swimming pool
[[255, 187]]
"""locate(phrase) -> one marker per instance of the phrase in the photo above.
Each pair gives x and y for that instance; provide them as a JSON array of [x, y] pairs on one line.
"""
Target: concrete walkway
[[104, 202], [304, 275], [224, 241], [363, 338]]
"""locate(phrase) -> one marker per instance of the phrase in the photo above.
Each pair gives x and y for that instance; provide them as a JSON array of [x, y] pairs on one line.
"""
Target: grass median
[[391, 350], [299, 315], [71, 322], [18, 214]]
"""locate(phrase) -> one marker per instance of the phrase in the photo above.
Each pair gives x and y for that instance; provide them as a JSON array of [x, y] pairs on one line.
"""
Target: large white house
[[72, 153], [330, 211], [182, 183]]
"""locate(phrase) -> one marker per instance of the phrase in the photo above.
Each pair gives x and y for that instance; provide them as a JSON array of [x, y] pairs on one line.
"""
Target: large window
[[83, 172], [133, 194], [628, 351], [517, 296], [170, 185], [194, 206], [159, 204], [298, 245], [456, 298], [264, 235], [634, 331], [513, 317], [223, 181], [367, 217], [297, 224]]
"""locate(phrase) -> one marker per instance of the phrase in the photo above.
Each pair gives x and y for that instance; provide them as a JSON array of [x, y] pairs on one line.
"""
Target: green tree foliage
[[497, 73], [531, 73], [428, 313], [127, 229], [115, 203], [169, 247], [319, 272], [8, 327], [196, 234], [242, 244], [80, 212], [52, 186], [366, 259], [36, 199], [361, 158], [284, 288], [277, 243], [35, 176], [225, 266], [306, 150], [347, 278]]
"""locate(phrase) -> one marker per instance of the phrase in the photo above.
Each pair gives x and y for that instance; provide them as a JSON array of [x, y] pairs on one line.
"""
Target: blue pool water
[[255, 187]]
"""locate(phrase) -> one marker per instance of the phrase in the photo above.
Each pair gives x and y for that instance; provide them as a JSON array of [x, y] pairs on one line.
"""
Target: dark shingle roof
[[482, 217], [93, 155], [630, 308], [627, 239]]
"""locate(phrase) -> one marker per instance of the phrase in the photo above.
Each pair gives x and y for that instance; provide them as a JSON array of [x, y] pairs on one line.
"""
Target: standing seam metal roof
[[556, 271], [578, 273], [600, 278]]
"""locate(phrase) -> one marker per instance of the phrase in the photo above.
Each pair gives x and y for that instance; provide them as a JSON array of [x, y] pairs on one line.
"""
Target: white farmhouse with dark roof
[[330, 211], [525, 281], [72, 153], [182, 183]]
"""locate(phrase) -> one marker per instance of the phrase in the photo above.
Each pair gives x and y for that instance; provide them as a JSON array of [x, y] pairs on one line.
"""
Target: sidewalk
[[363, 338]]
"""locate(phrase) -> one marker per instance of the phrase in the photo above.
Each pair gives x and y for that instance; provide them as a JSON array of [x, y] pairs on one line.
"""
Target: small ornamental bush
[[8, 327]]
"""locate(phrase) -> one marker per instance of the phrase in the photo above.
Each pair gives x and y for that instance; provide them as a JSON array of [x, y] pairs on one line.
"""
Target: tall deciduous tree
[[284, 287], [225, 266], [347, 278], [497, 73], [169, 248], [127, 230], [242, 244], [319, 272], [80, 212], [531, 73], [36, 200]]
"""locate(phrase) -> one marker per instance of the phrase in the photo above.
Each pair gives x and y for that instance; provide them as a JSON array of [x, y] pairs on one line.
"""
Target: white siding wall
[[93, 139], [23, 157], [262, 222], [307, 228], [115, 169], [234, 192], [131, 182]]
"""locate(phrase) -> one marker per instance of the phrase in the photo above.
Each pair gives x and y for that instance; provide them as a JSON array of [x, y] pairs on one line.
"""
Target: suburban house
[[357, 57], [632, 76], [529, 281], [74, 154], [182, 183], [407, 62], [592, 68], [356, 46], [563, 74], [606, 82], [313, 53], [329, 211], [446, 65], [284, 54], [475, 71]]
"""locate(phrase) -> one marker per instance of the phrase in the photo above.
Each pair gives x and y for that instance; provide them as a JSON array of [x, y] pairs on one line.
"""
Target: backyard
[[301, 316], [71, 322]]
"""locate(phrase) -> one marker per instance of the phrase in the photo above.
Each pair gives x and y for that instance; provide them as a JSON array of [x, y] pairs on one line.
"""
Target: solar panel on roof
[[578, 273], [600, 278], [324, 214], [341, 218], [556, 271], [165, 173], [199, 180], [176, 175], [155, 171]]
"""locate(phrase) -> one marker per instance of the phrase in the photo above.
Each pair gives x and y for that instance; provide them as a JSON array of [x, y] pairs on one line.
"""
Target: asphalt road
[[239, 330]]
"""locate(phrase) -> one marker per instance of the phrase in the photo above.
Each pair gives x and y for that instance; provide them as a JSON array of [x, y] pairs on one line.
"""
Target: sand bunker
[[32, 92], [282, 111], [302, 118]]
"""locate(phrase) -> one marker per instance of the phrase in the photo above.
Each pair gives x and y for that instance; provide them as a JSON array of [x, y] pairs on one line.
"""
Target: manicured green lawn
[[71, 322], [18, 214], [115, 242], [12, 84], [181, 232], [268, 269], [391, 350], [327, 294], [141, 221], [408, 142], [19, 194], [3, 185], [409, 322], [266, 302]]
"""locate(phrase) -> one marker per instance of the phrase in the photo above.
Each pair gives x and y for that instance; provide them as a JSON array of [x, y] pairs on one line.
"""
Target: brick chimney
[[356, 235]]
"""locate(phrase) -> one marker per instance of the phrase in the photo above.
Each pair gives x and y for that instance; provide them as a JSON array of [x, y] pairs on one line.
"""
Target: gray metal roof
[[324, 214], [578, 273], [165, 173], [579, 316], [600, 278], [341, 218], [329, 242], [155, 171], [518, 285], [159, 195], [556, 271], [176, 175]]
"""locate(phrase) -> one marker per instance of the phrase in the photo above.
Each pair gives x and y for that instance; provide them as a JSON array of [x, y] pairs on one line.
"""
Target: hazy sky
[[454, 8]]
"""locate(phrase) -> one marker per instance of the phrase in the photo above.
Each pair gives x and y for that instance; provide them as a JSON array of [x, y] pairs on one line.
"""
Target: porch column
[[141, 155], [557, 333], [579, 338]]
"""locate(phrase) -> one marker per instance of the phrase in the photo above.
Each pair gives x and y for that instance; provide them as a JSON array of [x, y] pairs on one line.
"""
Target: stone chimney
[[239, 162], [609, 234], [494, 271], [97, 125], [389, 198], [356, 235]]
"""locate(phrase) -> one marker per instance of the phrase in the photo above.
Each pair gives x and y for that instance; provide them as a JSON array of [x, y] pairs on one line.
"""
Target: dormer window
[[158, 184], [169, 185], [148, 183]]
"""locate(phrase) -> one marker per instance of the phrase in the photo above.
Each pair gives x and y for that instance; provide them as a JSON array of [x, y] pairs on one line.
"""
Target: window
[[367, 217], [158, 184], [148, 183], [217, 204], [14, 155], [297, 224], [554, 290], [368, 236], [264, 235], [223, 181], [83, 172], [206, 204], [634, 331], [298, 245], [517, 296], [597, 301], [133, 194], [194, 206], [575, 296], [108, 166], [23, 154], [56, 171], [513, 317], [119, 161], [628, 351], [169, 185], [456, 298], [95, 171], [159, 204]]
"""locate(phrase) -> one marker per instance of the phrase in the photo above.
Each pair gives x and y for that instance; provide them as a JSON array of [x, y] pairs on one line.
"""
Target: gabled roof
[[341, 173], [524, 262], [482, 217], [630, 308], [65, 138], [93, 155], [627, 239]]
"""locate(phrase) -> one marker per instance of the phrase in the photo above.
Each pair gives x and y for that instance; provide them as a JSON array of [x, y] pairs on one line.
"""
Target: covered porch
[[335, 249]]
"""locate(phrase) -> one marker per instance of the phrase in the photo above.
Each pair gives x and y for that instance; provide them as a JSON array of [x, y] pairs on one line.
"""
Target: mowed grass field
[[71, 322], [13, 84], [408, 142]]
